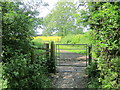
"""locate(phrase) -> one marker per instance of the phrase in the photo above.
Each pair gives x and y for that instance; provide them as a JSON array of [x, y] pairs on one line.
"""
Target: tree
[[61, 20], [17, 27], [17, 30], [103, 19]]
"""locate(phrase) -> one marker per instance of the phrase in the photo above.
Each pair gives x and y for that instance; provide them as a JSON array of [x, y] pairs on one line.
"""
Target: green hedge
[[19, 69], [104, 21]]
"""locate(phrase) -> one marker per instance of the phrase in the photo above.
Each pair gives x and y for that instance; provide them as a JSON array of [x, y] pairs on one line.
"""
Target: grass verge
[[74, 49]]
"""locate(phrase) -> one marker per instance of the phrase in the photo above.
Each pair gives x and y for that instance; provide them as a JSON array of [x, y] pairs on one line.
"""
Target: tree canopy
[[17, 30], [104, 21], [61, 20]]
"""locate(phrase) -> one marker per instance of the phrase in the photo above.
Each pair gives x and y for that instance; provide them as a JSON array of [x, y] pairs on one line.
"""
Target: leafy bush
[[93, 75], [103, 19], [109, 76], [3, 83], [19, 69], [107, 41], [21, 73], [92, 70], [93, 83]]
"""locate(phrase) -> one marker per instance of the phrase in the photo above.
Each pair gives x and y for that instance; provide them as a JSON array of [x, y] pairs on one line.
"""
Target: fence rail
[[41, 48], [49, 54], [71, 44]]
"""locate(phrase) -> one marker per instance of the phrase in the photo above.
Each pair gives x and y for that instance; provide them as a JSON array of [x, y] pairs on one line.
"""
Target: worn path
[[70, 76]]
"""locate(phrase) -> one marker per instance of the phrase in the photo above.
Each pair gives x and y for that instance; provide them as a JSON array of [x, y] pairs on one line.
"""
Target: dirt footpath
[[72, 75]]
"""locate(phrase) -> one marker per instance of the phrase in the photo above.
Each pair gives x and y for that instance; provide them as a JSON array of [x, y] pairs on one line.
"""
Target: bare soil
[[71, 72]]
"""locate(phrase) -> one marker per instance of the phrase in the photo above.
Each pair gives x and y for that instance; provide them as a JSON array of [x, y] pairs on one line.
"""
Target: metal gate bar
[[58, 53], [71, 44]]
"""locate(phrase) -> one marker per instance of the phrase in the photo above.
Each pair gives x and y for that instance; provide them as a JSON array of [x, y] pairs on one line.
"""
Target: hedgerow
[[19, 69], [103, 18]]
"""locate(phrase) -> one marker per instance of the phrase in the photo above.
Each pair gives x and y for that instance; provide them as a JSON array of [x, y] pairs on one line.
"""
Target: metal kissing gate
[[72, 55]]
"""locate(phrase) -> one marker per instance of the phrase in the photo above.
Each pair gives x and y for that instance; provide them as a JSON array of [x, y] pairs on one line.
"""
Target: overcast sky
[[45, 10]]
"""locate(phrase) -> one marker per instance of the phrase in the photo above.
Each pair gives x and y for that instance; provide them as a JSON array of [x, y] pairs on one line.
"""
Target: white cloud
[[45, 10]]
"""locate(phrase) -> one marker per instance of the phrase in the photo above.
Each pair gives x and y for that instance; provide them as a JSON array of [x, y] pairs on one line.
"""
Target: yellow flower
[[48, 38]]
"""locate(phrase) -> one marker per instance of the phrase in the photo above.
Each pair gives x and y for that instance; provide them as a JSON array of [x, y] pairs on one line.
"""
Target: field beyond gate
[[71, 57]]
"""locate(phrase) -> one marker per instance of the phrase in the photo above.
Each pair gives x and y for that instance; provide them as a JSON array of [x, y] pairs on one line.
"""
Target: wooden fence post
[[47, 56], [90, 54], [52, 57], [47, 49]]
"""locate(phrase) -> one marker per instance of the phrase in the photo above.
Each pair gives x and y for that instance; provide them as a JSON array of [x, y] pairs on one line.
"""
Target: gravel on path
[[70, 76]]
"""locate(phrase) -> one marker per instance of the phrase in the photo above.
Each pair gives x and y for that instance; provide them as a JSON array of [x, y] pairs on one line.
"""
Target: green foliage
[[61, 20], [19, 68], [37, 42], [17, 29], [21, 73], [93, 83], [92, 70], [0, 75], [77, 39], [93, 75], [3, 83], [103, 19], [110, 73]]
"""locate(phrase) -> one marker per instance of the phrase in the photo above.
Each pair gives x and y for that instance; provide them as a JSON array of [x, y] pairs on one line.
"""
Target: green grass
[[38, 43], [75, 49], [77, 39]]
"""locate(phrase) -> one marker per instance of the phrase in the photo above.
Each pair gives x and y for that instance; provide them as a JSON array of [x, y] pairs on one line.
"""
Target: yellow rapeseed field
[[48, 38]]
